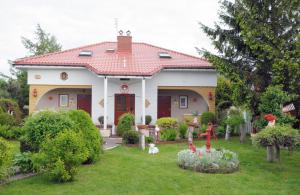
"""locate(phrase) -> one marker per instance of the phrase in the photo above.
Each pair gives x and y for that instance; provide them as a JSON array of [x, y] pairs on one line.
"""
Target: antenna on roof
[[116, 25]]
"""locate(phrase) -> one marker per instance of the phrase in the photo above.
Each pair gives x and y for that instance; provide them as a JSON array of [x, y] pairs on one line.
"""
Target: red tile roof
[[143, 61]]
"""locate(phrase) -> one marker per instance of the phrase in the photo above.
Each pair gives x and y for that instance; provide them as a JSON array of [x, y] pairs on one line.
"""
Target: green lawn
[[127, 170]]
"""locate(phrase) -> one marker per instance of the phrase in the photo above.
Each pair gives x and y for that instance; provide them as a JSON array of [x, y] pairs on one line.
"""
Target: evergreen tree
[[257, 46]]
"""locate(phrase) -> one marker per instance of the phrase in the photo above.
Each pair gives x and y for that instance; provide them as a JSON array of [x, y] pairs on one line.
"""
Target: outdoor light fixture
[[210, 96], [34, 93], [124, 88]]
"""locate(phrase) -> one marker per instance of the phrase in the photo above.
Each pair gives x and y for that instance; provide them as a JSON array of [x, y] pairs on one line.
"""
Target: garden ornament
[[208, 136], [271, 118], [153, 149], [192, 147]]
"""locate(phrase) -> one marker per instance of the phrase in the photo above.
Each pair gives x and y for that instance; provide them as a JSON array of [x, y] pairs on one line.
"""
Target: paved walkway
[[111, 142]]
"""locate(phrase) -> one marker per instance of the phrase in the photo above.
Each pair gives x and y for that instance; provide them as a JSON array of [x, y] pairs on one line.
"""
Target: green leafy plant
[[149, 139], [6, 157], [207, 117], [90, 133], [60, 156], [148, 119], [125, 123], [168, 134], [9, 104], [183, 130], [45, 124], [24, 162], [10, 132], [130, 137], [276, 137], [167, 123]]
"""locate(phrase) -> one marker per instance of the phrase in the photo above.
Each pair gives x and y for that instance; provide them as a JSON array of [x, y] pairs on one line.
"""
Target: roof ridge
[[58, 52], [200, 58]]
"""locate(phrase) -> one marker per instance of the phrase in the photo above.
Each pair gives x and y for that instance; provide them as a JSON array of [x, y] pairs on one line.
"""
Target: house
[[111, 78]]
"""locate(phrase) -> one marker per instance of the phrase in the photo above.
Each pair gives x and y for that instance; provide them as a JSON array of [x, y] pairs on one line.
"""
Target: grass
[[127, 170]]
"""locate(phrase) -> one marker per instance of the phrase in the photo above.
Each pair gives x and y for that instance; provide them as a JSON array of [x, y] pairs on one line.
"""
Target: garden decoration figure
[[208, 136], [271, 118], [192, 147], [153, 149], [157, 136]]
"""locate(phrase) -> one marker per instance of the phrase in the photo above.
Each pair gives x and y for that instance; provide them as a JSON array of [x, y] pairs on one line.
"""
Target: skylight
[[164, 55], [110, 50], [86, 53]]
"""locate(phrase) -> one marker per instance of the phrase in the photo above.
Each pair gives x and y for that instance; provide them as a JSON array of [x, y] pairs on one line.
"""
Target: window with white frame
[[183, 101], [63, 100]]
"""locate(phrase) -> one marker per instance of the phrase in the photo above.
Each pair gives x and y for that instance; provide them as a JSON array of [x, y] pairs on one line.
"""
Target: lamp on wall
[[210, 95], [34, 93]]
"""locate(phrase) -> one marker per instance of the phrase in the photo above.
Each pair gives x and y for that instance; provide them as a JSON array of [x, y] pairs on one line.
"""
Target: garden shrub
[[148, 119], [168, 134], [60, 156], [207, 117], [9, 104], [24, 162], [183, 130], [149, 139], [7, 119], [10, 132], [126, 121], [167, 123], [42, 124], [276, 137], [130, 137], [217, 161], [89, 131], [220, 131], [6, 156]]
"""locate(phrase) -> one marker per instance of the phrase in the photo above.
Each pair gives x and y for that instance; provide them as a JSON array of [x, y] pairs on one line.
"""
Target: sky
[[172, 24]]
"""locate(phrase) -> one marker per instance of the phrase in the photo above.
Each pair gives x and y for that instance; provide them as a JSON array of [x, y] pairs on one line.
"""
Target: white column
[[105, 103], [143, 102]]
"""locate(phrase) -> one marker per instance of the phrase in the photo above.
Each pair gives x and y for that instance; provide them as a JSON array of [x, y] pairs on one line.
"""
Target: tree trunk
[[277, 153], [227, 135], [270, 153], [242, 133]]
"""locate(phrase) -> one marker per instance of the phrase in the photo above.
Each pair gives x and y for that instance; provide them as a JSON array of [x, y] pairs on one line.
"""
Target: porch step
[[105, 132]]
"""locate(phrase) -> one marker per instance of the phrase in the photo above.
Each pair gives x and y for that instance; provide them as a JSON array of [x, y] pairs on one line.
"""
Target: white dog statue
[[153, 149]]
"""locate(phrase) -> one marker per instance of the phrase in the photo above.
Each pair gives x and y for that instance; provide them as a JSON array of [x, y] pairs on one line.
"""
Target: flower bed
[[217, 161]]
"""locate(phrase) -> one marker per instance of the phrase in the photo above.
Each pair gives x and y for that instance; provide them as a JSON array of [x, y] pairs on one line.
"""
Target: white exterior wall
[[51, 76]]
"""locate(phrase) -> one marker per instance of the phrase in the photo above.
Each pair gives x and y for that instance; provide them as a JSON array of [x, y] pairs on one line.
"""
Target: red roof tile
[[143, 61]]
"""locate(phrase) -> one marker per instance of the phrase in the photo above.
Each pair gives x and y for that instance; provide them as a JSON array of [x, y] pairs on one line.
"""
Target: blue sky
[[172, 24]]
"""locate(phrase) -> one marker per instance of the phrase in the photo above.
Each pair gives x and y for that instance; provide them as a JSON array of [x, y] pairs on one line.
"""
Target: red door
[[84, 102], [163, 106], [124, 103]]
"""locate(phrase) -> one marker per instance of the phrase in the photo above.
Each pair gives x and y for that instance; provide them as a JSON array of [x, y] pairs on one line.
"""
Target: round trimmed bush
[[167, 123], [148, 119], [125, 123], [91, 136], [217, 161], [42, 124], [130, 137], [60, 156]]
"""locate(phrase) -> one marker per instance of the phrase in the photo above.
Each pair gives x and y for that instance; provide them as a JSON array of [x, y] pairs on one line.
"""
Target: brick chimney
[[124, 42]]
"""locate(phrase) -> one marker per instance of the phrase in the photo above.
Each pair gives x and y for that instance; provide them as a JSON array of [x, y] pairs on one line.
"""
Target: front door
[[163, 106], [84, 102], [124, 103]]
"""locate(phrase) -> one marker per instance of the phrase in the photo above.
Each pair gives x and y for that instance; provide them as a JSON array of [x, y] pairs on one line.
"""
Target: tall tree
[[257, 45], [44, 43]]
